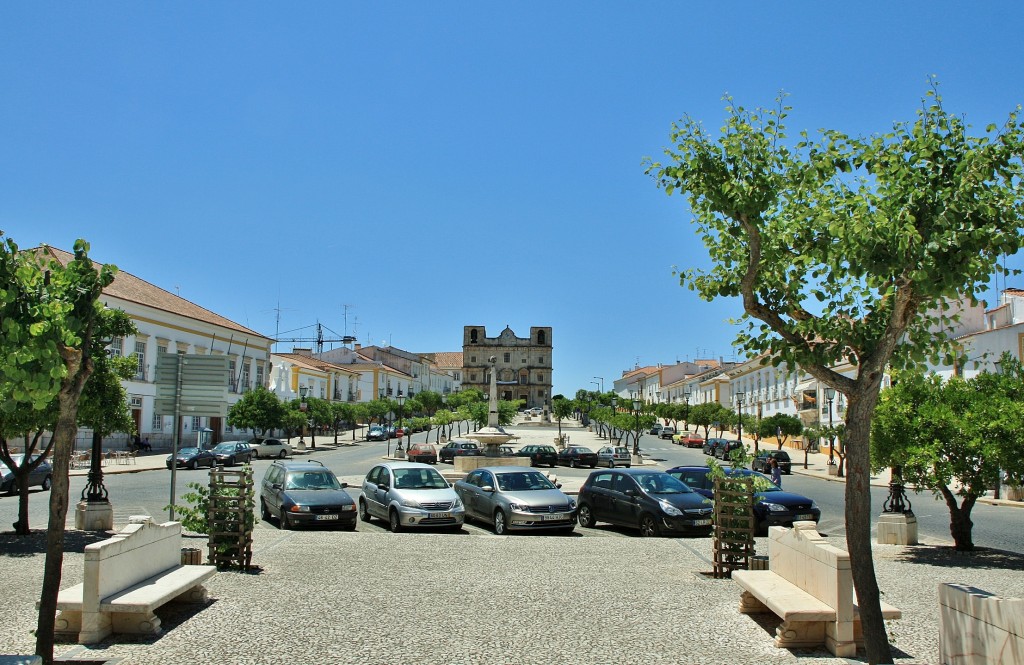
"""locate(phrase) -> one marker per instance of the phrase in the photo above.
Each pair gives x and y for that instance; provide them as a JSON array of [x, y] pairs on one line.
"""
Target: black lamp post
[[686, 416], [401, 413], [830, 394], [302, 408], [739, 416], [636, 440], [615, 404], [95, 491], [897, 501]]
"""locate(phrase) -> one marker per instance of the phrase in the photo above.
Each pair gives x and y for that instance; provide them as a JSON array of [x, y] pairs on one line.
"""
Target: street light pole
[[601, 379], [611, 427], [636, 440], [739, 415], [302, 408], [686, 416], [830, 394], [399, 452]]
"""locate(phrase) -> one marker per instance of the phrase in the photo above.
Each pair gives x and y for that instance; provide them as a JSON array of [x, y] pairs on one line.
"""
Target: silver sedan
[[514, 498]]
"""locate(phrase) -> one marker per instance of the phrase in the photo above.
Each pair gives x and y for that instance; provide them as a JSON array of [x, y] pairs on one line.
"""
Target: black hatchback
[[652, 501], [539, 454]]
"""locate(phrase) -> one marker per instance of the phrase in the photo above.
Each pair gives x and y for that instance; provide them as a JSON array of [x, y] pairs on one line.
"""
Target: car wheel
[[364, 514], [193, 465], [230, 462], [585, 517], [593, 465], [649, 526], [47, 483], [394, 521], [264, 511], [572, 463], [611, 464], [628, 465], [281, 454], [256, 454], [500, 525], [286, 524]]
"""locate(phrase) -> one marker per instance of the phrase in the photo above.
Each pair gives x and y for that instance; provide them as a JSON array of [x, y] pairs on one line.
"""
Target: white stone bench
[[126, 578], [978, 628], [809, 585]]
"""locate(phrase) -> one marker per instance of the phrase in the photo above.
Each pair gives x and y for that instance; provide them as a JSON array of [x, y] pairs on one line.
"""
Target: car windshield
[[419, 479], [661, 483], [523, 481], [312, 480], [224, 448], [188, 451]]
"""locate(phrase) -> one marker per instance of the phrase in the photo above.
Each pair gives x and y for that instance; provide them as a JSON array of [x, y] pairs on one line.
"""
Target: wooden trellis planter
[[230, 518], [734, 525]]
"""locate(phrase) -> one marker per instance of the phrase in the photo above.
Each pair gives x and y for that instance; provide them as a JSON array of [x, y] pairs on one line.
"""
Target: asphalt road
[[149, 493]]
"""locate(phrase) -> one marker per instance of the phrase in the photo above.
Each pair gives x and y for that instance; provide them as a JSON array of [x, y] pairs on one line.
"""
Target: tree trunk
[[858, 523], [21, 527], [960, 524], [63, 441]]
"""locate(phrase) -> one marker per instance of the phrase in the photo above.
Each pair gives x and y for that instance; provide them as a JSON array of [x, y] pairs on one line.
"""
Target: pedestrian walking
[[776, 472]]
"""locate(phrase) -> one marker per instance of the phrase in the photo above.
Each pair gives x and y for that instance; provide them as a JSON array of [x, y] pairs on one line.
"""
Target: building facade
[[523, 364]]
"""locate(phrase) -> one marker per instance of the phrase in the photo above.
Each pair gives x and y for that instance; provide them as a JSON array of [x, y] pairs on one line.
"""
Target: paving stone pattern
[[382, 598]]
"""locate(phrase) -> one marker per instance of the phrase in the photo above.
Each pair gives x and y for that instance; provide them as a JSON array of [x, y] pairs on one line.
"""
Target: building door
[[137, 419], [217, 428]]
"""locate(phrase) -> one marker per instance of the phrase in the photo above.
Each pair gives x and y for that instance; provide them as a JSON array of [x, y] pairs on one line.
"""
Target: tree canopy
[[846, 249]]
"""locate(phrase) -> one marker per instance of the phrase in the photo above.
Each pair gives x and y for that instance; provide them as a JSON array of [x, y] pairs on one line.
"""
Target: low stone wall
[[978, 628]]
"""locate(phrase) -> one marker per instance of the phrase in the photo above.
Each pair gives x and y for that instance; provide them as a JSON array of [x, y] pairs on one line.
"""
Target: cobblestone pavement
[[382, 598]]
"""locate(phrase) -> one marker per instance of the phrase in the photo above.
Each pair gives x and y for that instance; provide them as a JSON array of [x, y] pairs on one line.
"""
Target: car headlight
[[814, 506], [774, 507], [410, 503], [669, 509], [518, 507], [299, 509], [572, 505]]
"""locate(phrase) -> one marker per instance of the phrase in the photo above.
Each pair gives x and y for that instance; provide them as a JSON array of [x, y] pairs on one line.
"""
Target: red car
[[692, 440], [422, 452]]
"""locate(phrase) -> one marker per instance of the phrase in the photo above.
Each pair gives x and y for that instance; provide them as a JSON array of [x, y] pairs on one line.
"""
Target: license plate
[[326, 517], [553, 518], [804, 517], [701, 522], [439, 516]]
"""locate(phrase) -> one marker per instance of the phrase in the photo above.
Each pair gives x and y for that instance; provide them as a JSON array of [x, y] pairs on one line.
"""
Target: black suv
[[652, 501], [305, 493]]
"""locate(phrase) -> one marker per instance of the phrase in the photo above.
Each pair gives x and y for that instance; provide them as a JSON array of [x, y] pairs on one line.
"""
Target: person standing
[[776, 472]]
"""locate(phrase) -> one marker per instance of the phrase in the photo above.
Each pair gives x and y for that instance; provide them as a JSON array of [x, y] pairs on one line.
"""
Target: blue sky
[[435, 165]]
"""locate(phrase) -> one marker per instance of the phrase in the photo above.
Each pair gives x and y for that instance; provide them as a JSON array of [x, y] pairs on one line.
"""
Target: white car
[[270, 448]]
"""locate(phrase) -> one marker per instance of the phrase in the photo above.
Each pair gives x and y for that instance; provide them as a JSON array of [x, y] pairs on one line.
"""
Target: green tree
[[430, 400], [52, 314], [320, 415], [561, 408], [847, 250], [781, 426], [258, 410], [952, 437], [708, 415]]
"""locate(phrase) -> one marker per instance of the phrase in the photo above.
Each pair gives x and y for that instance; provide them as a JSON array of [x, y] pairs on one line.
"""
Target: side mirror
[[276, 486], [344, 486], [382, 486], [558, 486], [487, 488], [631, 492]]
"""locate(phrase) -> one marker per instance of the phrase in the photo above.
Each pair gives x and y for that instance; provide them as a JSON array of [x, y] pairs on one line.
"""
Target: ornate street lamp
[[302, 408], [636, 410], [830, 394], [399, 452], [686, 416], [739, 415]]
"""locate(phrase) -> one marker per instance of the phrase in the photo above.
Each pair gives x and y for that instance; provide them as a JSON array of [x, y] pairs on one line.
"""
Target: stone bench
[[978, 628], [809, 585], [126, 578]]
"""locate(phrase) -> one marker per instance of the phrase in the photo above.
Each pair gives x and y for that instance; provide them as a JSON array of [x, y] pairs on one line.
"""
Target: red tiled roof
[[448, 359], [127, 286]]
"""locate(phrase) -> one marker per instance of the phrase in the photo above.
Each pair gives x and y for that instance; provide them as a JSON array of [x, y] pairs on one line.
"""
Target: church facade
[[523, 364]]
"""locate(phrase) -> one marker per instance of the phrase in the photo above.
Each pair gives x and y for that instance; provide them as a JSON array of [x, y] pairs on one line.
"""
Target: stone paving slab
[[377, 597]]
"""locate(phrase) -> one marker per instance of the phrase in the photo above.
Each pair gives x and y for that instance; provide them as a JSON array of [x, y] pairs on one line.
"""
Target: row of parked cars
[[538, 454], [408, 495], [229, 453], [721, 449]]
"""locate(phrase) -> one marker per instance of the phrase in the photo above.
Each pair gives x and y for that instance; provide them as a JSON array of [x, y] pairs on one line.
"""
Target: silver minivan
[[410, 494]]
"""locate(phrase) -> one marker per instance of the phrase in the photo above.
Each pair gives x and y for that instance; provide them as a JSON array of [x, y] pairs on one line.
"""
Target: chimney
[[358, 346], [308, 353]]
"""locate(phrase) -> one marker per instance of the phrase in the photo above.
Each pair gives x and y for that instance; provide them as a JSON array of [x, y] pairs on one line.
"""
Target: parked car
[[391, 431], [516, 497], [270, 448], [655, 429], [376, 433], [42, 475], [192, 458], [305, 494], [723, 450], [409, 494], [458, 447], [773, 506], [422, 452], [539, 454], [506, 451], [689, 439], [576, 456], [667, 432], [613, 456], [652, 501], [760, 461], [711, 444], [536, 411], [230, 453]]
